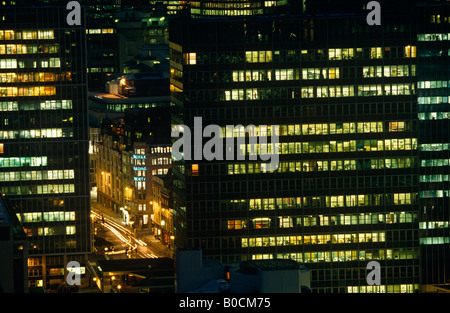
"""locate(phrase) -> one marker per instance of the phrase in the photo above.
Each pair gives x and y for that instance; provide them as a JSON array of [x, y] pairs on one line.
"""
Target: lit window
[[8, 63], [70, 230], [410, 51], [191, 58], [194, 169]]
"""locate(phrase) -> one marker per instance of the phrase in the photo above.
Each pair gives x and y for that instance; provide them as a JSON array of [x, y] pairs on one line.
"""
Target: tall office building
[[433, 82], [202, 8], [102, 41], [44, 161], [346, 189]]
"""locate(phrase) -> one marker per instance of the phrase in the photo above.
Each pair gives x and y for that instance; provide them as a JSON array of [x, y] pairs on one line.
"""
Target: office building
[[345, 99], [44, 136], [202, 8], [433, 100], [102, 41]]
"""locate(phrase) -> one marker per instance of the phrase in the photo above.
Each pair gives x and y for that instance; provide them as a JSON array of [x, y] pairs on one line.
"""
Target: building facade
[[132, 152], [341, 97], [102, 41], [433, 100], [44, 135]]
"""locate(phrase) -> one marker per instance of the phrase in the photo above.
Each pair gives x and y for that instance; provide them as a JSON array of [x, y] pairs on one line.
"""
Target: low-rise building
[[196, 274], [154, 275], [134, 158]]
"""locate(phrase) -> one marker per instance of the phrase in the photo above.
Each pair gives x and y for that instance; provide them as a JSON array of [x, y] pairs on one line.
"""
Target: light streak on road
[[124, 235]]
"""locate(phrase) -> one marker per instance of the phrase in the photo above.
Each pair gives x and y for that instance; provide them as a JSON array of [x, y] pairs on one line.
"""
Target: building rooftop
[[108, 98], [8, 216], [252, 266], [4, 214]]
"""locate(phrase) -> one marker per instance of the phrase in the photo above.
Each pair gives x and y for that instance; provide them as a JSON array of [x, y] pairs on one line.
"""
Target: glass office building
[[346, 190], [433, 83], [44, 161], [237, 7]]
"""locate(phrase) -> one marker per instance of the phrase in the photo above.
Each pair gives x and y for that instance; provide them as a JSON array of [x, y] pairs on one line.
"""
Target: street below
[[124, 243]]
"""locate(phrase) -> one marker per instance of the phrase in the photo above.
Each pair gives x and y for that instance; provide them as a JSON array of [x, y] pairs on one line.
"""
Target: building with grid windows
[[346, 189], [238, 8], [433, 83], [133, 156], [44, 136]]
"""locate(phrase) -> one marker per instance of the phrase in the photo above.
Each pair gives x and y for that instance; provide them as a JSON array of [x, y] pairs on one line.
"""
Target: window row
[[139, 151], [315, 129], [30, 63], [439, 19], [348, 255], [388, 71], [264, 56], [434, 147], [434, 193], [434, 240], [161, 161], [437, 178], [362, 90], [434, 162], [8, 63], [37, 175], [433, 37], [26, 34], [432, 84], [329, 201], [253, 149], [433, 100], [323, 165], [258, 56], [313, 239], [43, 105], [372, 53], [27, 91], [100, 69], [50, 231], [28, 49], [281, 74], [160, 171], [38, 189], [304, 74], [434, 224], [156, 150], [344, 219], [139, 184], [34, 77], [427, 52], [37, 133], [402, 288], [58, 216], [434, 116], [100, 31], [23, 161], [139, 173], [205, 95]]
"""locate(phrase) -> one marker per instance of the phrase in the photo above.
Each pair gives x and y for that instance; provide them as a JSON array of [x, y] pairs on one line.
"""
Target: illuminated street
[[124, 240]]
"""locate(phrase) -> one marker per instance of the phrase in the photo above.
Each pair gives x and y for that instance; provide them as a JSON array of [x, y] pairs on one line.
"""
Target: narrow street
[[114, 230]]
